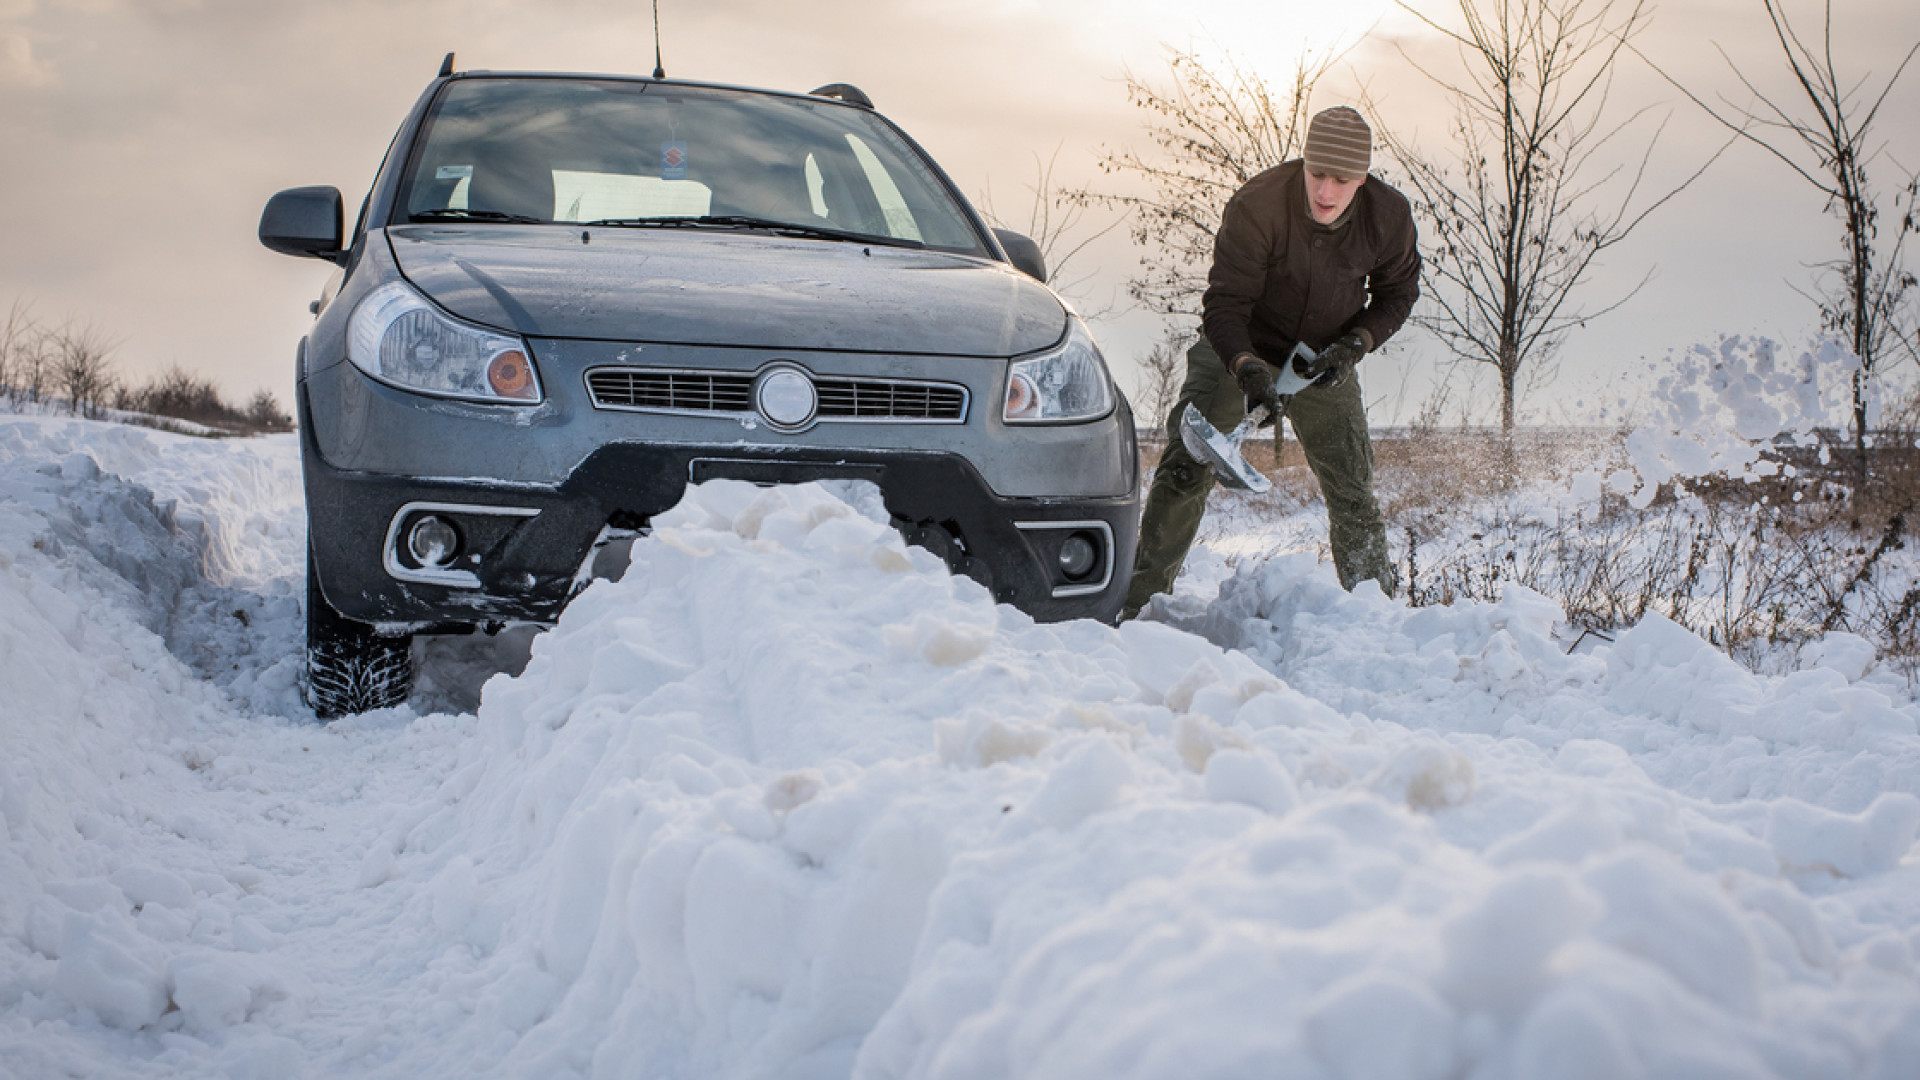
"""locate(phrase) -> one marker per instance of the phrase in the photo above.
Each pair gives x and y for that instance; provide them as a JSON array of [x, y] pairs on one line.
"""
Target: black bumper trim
[[936, 500]]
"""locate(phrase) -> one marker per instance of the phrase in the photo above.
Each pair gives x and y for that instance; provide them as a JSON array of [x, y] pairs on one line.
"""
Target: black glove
[[1256, 381], [1335, 362]]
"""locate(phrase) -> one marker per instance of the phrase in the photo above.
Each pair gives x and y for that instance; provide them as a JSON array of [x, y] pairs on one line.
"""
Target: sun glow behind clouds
[[1261, 32], [1284, 26]]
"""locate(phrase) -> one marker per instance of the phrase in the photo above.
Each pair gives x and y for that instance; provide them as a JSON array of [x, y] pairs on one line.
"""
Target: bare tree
[[1216, 128], [26, 354], [1162, 372], [1827, 141], [82, 368], [15, 334], [181, 394], [265, 414], [1056, 222], [1524, 203]]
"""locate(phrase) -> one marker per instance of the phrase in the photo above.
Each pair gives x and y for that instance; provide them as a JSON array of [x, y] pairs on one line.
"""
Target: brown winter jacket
[[1279, 277]]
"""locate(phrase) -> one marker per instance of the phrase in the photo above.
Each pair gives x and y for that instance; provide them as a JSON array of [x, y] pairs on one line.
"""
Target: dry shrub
[[179, 394], [1755, 567]]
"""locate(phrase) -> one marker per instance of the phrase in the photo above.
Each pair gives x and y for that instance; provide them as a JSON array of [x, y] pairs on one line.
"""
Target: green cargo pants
[[1331, 424]]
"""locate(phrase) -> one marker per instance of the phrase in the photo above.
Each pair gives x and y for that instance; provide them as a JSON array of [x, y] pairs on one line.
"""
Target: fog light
[[433, 541], [1078, 554]]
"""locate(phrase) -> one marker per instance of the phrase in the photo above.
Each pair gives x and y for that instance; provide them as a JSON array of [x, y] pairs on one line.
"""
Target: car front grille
[[885, 400], [679, 391], [726, 392]]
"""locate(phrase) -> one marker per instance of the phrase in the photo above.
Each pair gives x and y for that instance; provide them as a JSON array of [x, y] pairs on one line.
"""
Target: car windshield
[[649, 154]]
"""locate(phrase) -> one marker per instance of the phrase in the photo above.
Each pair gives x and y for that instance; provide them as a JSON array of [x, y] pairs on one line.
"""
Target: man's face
[[1329, 194]]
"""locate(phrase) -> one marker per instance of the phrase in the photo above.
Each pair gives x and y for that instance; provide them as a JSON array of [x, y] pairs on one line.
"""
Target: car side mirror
[[307, 221], [1024, 253]]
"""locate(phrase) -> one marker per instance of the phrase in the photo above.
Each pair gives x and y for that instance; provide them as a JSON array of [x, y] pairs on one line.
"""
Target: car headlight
[[396, 336], [1068, 384]]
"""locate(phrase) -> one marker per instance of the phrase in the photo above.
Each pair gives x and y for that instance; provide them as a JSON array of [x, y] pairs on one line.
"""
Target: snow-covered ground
[[789, 801]]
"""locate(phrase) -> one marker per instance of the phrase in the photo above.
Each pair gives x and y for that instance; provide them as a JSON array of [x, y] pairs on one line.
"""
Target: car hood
[[720, 288]]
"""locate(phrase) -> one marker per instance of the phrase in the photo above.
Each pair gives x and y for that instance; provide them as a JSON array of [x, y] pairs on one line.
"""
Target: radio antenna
[[658, 71]]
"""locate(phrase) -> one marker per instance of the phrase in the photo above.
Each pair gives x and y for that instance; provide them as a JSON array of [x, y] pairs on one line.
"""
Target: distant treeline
[[70, 366], [184, 396]]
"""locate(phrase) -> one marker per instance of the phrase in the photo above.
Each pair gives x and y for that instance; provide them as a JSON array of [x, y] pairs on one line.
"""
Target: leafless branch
[[1518, 212], [1826, 141], [1056, 222], [1215, 127]]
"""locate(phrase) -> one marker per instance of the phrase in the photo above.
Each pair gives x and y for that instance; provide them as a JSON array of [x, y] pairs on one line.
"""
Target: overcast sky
[[140, 138]]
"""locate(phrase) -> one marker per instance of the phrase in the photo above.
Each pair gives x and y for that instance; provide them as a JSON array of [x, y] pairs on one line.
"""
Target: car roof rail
[[446, 66], [846, 92]]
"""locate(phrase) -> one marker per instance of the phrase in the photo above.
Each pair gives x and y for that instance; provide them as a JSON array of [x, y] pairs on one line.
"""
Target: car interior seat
[[778, 192], [512, 183]]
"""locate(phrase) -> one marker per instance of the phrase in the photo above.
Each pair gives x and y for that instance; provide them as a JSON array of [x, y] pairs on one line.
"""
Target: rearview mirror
[[307, 221], [1024, 253]]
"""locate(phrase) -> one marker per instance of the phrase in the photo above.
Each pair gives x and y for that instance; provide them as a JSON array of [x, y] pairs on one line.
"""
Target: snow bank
[[1690, 718], [788, 800], [107, 605]]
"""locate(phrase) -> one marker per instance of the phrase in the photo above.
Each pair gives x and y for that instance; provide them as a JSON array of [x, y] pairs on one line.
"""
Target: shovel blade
[[1221, 453]]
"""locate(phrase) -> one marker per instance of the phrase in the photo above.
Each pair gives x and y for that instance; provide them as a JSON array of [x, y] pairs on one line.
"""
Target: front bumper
[[528, 543]]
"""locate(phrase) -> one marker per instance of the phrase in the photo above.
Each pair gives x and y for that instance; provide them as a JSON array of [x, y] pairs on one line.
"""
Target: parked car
[[568, 296]]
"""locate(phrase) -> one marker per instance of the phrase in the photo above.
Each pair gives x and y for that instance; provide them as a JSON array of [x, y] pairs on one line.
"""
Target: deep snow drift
[[788, 801]]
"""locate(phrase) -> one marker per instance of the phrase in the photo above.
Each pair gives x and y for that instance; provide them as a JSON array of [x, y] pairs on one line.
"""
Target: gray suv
[[569, 296]]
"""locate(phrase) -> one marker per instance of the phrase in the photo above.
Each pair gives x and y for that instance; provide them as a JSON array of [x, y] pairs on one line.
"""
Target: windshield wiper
[[743, 221], [455, 214]]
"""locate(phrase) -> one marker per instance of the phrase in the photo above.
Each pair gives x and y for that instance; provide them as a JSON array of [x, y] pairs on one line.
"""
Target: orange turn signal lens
[[511, 376], [1023, 398]]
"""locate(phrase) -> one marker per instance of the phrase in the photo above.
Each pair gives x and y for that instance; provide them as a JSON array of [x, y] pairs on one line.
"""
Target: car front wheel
[[350, 668]]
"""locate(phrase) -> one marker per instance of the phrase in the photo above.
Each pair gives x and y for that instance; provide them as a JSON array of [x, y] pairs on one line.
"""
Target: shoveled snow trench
[[787, 800]]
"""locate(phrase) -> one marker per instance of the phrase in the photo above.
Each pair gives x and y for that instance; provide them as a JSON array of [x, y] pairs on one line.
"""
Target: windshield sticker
[[673, 161], [453, 172]]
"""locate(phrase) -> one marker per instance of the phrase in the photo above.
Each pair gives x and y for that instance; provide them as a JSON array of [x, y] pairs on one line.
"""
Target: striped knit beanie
[[1339, 141]]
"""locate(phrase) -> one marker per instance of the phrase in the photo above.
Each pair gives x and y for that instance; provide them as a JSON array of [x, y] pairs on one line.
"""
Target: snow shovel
[[1222, 452]]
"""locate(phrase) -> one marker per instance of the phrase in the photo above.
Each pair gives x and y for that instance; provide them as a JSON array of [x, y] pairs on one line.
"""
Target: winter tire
[[350, 668]]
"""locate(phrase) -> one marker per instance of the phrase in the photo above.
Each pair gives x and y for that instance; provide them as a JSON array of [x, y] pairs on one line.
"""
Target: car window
[[893, 205], [567, 150]]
